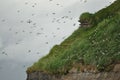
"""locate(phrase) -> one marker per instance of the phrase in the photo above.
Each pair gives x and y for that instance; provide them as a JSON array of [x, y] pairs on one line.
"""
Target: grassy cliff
[[97, 45]]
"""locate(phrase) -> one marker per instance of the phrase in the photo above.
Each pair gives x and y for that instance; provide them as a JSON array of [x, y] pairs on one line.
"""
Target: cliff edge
[[77, 75]]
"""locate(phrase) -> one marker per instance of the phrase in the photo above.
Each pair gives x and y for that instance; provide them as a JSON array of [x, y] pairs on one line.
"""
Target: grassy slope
[[98, 45]]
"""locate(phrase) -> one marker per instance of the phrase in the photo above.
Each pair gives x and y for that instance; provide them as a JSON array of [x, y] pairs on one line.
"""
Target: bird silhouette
[[29, 51], [58, 28], [54, 36], [85, 1], [74, 24], [10, 29], [21, 21], [33, 6], [57, 4], [4, 53], [46, 42], [23, 31], [26, 3], [38, 53], [50, 0], [45, 35], [30, 32], [29, 21], [16, 32], [39, 33], [3, 20], [33, 14], [69, 11], [63, 37], [18, 11], [41, 28], [53, 13]]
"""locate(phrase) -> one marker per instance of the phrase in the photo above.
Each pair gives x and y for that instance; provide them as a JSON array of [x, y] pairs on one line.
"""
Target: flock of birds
[[34, 25]]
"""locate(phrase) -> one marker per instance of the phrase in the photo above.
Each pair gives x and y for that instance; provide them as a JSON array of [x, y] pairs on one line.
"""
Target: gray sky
[[30, 28]]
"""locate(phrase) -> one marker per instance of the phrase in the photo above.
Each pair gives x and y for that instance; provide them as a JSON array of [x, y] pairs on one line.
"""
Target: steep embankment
[[91, 52]]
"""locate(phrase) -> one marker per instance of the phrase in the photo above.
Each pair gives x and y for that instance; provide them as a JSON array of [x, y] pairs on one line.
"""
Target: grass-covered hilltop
[[96, 43]]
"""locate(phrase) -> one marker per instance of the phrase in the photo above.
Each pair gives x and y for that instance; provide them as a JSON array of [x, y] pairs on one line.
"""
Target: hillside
[[97, 46]]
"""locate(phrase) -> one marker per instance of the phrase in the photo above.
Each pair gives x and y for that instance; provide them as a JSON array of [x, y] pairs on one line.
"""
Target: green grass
[[86, 18], [98, 45]]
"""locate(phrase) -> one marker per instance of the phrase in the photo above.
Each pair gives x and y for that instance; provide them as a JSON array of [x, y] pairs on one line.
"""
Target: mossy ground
[[97, 45]]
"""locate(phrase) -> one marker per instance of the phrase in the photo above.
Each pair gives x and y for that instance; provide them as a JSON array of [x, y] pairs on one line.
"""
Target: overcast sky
[[30, 28]]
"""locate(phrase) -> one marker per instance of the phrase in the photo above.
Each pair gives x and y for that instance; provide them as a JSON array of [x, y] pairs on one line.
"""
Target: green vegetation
[[108, 12], [86, 19], [97, 45]]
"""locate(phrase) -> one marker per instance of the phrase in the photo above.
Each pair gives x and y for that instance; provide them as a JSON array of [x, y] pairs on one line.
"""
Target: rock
[[42, 76], [73, 70], [116, 68], [76, 76]]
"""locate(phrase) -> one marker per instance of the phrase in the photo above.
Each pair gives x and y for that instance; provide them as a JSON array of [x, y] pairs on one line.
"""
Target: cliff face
[[112, 75], [78, 76], [42, 76]]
